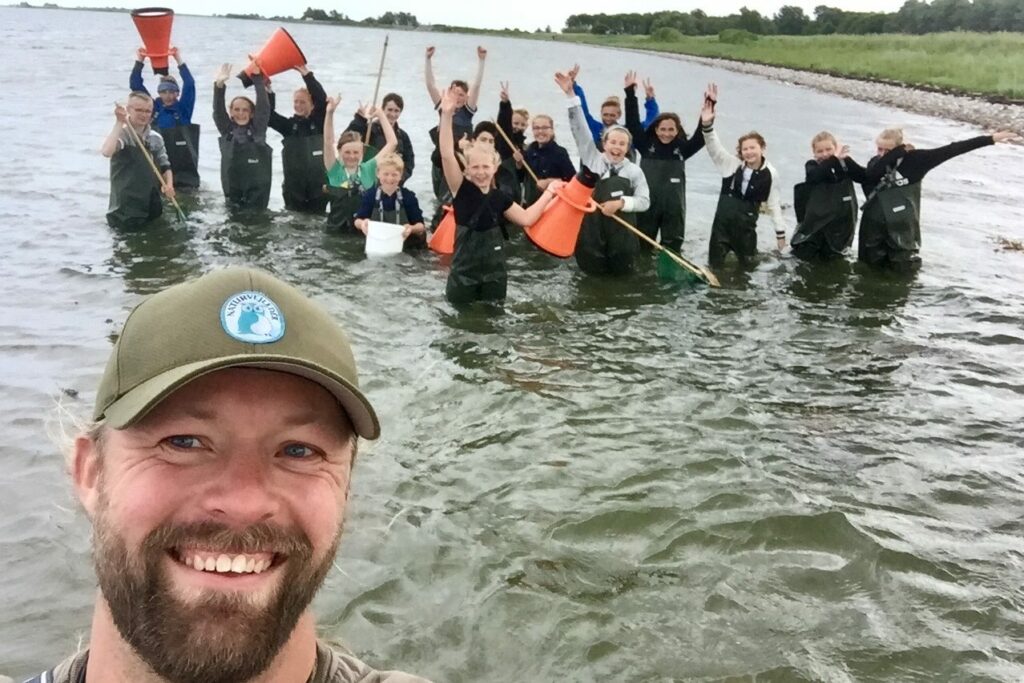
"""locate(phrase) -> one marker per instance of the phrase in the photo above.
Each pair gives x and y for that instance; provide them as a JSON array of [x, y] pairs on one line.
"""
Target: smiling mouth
[[225, 563]]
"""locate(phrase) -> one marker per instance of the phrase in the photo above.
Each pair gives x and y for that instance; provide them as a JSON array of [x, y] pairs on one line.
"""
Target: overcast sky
[[524, 14]]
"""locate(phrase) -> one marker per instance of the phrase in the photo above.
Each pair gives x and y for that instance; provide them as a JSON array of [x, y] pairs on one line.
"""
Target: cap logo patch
[[252, 317]]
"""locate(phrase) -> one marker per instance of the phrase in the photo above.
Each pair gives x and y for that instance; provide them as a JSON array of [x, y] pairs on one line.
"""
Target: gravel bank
[[988, 115]]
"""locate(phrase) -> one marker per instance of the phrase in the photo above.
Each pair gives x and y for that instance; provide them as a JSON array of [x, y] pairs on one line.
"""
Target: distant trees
[[387, 19], [915, 16]]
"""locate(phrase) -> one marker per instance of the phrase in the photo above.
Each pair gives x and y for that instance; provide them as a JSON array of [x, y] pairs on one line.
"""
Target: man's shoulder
[[335, 665], [71, 670]]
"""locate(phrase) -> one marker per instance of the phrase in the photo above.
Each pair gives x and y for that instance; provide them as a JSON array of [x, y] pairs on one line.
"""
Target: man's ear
[[85, 472]]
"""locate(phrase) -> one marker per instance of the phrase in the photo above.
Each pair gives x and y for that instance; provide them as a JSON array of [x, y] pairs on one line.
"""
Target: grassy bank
[[990, 64]]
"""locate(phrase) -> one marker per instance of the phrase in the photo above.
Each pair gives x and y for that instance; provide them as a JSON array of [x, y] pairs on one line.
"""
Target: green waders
[[304, 175], [890, 227], [245, 170], [507, 179], [604, 247], [397, 217], [134, 191], [344, 202], [827, 215], [478, 270], [531, 192], [667, 180], [182, 143], [734, 229]]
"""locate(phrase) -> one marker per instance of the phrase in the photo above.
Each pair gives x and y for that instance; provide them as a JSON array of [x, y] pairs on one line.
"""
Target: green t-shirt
[[366, 175]]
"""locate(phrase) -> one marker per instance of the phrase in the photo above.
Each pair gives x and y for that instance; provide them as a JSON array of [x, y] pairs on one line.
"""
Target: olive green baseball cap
[[235, 317]]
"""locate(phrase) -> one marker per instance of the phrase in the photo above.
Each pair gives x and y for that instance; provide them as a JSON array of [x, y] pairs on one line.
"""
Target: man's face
[[244, 473]]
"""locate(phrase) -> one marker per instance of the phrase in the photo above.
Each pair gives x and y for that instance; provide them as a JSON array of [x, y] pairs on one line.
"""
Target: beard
[[215, 636]]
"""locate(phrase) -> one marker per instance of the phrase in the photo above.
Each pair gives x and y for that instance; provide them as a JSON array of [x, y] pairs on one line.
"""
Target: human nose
[[241, 491]]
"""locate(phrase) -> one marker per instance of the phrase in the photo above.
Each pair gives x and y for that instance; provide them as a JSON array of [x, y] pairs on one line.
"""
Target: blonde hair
[[823, 136], [617, 129], [545, 117], [612, 101], [390, 160], [522, 112], [895, 135], [483, 148], [349, 136]]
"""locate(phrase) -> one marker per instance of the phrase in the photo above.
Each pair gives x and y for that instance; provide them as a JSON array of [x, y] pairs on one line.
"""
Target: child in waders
[[478, 264], [512, 122], [664, 149], [348, 176], [462, 119], [748, 182], [391, 203], [302, 146], [826, 203], [134, 188], [611, 108], [245, 157], [604, 246], [548, 159], [172, 116], [507, 176], [890, 227], [392, 106]]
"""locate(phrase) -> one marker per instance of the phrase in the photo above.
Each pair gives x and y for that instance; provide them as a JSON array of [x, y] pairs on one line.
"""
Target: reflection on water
[[813, 473]]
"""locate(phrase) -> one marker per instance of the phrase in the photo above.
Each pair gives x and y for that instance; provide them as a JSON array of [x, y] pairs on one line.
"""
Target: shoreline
[[975, 109]]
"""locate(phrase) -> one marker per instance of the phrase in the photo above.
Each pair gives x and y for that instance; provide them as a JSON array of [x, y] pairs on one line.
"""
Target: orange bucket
[[154, 27], [278, 54], [558, 228], [443, 240]]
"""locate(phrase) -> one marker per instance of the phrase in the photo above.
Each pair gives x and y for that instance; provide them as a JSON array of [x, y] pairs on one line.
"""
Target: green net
[[668, 269]]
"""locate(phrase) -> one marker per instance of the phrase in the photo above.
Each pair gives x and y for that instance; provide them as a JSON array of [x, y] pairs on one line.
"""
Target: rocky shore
[[989, 115]]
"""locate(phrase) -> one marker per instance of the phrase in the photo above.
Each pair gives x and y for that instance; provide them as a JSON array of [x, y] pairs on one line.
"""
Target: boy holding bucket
[[390, 203]]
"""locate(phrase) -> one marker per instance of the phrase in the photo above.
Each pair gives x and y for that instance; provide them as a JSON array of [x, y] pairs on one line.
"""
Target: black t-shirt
[[491, 206]]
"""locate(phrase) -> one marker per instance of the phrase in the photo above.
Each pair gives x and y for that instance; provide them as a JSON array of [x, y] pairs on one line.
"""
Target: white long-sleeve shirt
[[599, 164], [728, 163]]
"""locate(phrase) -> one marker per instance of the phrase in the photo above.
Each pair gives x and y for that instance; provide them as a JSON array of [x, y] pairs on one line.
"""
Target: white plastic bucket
[[383, 239]]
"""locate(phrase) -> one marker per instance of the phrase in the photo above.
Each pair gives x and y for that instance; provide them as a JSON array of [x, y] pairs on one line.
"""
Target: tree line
[[387, 19], [915, 16]]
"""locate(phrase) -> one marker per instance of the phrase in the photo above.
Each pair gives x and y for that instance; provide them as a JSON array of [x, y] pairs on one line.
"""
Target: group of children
[[492, 178]]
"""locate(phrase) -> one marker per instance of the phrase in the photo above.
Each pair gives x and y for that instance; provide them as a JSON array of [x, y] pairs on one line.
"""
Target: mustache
[[215, 536]]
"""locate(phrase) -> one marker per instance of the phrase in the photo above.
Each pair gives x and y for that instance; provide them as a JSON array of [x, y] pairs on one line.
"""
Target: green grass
[[990, 64]]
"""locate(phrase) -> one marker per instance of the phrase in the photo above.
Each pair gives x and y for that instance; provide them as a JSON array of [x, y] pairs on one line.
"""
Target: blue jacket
[[596, 127], [179, 113]]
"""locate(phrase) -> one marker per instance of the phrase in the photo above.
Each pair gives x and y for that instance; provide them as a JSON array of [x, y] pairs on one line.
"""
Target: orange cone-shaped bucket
[[443, 240], [558, 228], [154, 26], [278, 54]]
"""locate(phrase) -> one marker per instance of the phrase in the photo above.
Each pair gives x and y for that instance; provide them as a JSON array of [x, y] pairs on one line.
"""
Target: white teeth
[[223, 564], [250, 565], [238, 564], [210, 565]]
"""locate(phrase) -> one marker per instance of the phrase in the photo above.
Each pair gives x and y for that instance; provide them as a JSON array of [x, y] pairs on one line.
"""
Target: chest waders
[[531, 192], [182, 143], [478, 271], [890, 227], [344, 202], [734, 229], [666, 179], [604, 247], [245, 170], [828, 217], [507, 179], [397, 216], [304, 175], [134, 193]]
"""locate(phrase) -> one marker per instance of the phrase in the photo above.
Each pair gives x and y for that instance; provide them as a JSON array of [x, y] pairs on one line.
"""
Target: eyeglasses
[[543, 128]]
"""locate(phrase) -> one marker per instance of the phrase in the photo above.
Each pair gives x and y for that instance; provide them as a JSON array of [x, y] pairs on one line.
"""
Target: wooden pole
[[152, 164], [376, 89]]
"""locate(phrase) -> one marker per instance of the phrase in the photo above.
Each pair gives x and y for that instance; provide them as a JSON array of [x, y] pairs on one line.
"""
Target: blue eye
[[298, 451], [184, 441]]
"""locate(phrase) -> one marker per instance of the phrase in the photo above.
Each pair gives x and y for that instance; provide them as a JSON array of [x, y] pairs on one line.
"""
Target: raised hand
[[630, 80], [481, 52], [464, 143], [140, 54], [447, 101], [430, 52], [176, 53], [564, 82], [1005, 136], [332, 103], [302, 69], [223, 74], [120, 113], [574, 72], [844, 151], [648, 89], [707, 112], [711, 94], [504, 90]]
